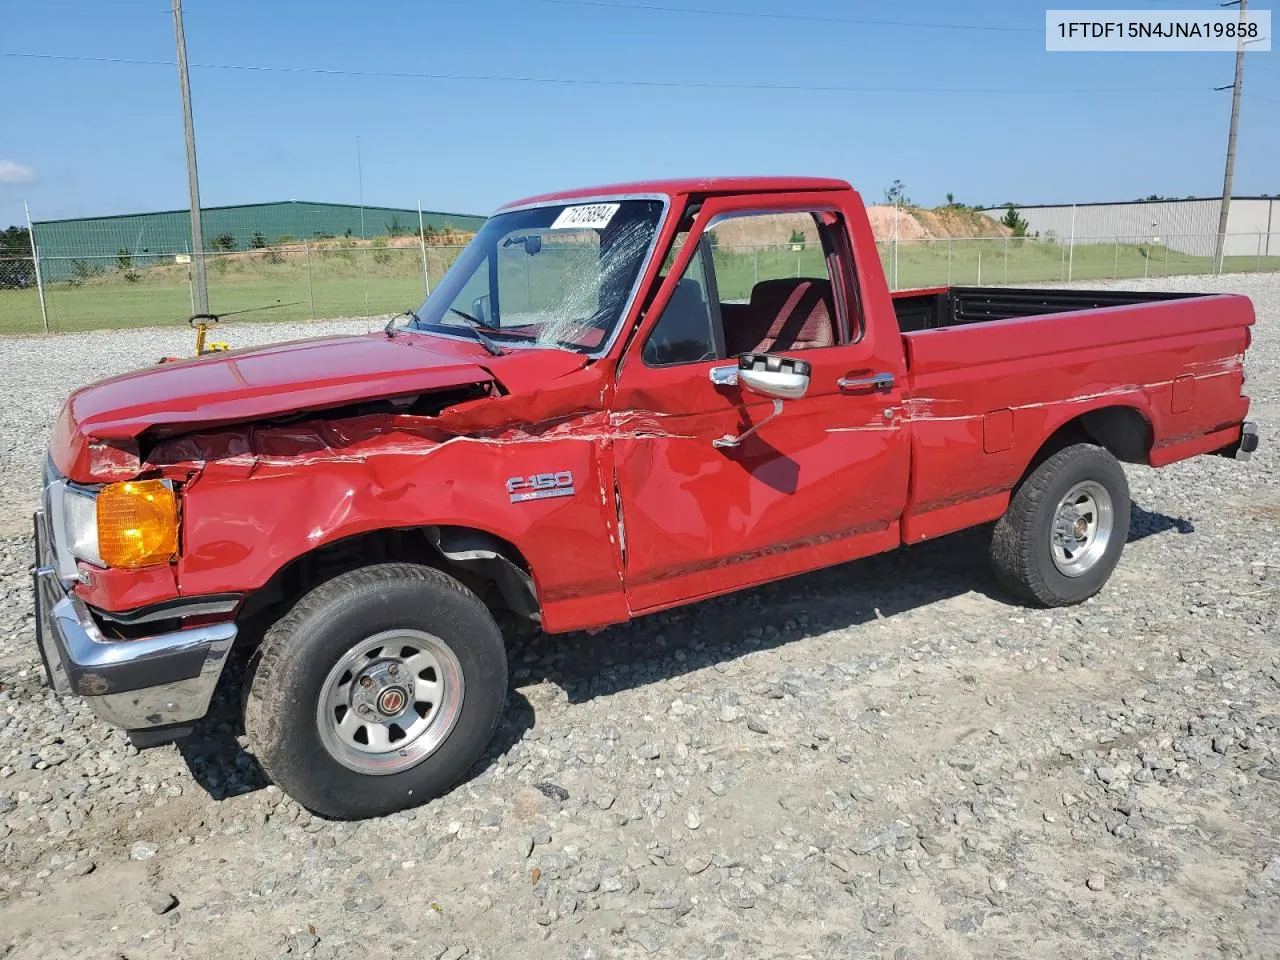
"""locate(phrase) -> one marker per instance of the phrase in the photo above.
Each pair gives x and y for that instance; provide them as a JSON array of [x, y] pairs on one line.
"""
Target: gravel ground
[[885, 759]]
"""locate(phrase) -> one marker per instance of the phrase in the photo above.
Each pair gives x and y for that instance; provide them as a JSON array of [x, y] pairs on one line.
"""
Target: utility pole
[[193, 179], [35, 261], [364, 251], [1220, 243]]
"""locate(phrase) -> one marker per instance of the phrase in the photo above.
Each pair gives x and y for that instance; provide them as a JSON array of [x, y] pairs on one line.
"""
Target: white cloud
[[11, 172]]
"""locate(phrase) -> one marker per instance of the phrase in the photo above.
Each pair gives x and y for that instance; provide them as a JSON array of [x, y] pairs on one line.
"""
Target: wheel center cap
[[391, 702]]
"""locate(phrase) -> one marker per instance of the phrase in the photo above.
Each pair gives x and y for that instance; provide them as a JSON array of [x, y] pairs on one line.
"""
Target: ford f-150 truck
[[608, 407]]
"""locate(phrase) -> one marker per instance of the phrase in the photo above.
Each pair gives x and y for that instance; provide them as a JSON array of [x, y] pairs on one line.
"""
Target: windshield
[[548, 276]]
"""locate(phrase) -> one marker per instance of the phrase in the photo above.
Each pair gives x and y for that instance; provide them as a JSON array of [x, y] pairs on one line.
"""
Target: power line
[[595, 81], [807, 18], [111, 11]]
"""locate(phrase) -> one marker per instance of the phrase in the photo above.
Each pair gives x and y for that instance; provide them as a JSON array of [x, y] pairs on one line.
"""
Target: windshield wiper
[[478, 327], [390, 328]]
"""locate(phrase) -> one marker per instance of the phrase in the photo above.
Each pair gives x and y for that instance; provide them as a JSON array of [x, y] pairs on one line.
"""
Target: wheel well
[[492, 568], [1123, 431]]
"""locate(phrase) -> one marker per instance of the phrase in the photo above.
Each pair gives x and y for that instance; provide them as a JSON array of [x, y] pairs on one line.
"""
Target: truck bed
[[952, 306], [1004, 369]]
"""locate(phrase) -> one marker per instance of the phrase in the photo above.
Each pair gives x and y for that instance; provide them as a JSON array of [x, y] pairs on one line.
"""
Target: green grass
[[335, 282], [338, 282], [1030, 261], [973, 262]]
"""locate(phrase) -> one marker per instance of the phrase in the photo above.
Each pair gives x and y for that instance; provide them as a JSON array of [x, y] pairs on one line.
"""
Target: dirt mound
[[765, 231], [916, 223], [882, 223], [960, 222]]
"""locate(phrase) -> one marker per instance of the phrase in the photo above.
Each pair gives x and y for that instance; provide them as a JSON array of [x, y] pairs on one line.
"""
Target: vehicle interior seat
[[792, 313]]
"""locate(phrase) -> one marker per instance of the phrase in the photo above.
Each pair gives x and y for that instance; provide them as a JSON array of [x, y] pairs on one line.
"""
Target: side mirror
[[781, 378], [480, 309]]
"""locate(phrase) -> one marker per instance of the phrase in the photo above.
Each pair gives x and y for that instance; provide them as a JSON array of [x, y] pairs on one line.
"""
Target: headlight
[[80, 524], [132, 524]]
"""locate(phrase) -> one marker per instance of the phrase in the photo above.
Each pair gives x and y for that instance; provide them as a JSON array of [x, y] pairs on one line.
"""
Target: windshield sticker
[[591, 216]]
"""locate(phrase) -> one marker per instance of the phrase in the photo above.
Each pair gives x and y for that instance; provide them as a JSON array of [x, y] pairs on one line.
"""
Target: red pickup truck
[[605, 409]]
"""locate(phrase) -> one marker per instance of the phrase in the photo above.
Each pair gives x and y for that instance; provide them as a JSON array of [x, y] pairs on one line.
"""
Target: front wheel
[[377, 691], [1065, 527]]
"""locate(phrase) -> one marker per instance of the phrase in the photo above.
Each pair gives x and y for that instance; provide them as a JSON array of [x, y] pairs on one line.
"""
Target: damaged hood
[[240, 386]]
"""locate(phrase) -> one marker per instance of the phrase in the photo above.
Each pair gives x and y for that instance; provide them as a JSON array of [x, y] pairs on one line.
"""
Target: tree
[[896, 194], [1016, 224], [951, 199], [257, 241], [124, 262], [395, 228], [224, 242], [81, 270], [16, 266], [15, 242], [797, 238]]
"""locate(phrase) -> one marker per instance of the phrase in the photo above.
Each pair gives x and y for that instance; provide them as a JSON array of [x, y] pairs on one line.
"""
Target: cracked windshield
[[556, 276]]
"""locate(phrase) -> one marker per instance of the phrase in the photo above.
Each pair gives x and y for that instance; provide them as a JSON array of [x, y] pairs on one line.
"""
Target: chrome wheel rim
[[390, 701], [1082, 528]]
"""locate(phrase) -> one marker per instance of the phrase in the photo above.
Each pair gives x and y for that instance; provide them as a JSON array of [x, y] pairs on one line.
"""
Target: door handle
[[877, 381]]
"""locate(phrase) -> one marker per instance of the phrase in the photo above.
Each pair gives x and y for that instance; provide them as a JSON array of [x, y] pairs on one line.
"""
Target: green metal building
[[150, 238]]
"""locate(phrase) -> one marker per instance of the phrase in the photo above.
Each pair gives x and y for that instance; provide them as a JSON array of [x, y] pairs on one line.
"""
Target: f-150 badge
[[540, 486]]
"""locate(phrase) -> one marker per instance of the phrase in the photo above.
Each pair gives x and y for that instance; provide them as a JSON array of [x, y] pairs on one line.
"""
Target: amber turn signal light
[[137, 523]]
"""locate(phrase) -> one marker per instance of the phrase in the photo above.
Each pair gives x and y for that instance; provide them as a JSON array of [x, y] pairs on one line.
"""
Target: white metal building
[[1188, 226]]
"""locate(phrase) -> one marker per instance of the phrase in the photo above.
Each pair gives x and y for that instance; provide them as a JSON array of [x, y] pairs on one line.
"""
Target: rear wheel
[[1065, 528], [377, 691]]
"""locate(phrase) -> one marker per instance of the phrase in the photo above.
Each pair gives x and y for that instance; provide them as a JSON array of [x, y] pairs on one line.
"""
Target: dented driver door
[[823, 482]]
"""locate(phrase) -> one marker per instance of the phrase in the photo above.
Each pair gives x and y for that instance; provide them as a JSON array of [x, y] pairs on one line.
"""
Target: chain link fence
[[327, 278], [1015, 260]]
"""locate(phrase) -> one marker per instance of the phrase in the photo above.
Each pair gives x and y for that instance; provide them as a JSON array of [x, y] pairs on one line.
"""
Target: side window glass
[[676, 246], [683, 333], [774, 283]]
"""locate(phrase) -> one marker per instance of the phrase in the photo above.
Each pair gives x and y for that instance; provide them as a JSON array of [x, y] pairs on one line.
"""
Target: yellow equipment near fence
[[201, 322]]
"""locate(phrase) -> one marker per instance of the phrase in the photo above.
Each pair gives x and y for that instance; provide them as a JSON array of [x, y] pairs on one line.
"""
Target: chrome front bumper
[[165, 680]]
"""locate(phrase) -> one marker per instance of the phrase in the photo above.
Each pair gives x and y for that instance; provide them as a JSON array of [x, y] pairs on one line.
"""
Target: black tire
[[288, 673], [1021, 544]]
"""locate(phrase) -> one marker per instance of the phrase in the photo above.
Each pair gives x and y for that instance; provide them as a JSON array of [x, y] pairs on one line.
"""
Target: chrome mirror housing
[[772, 376], [781, 378]]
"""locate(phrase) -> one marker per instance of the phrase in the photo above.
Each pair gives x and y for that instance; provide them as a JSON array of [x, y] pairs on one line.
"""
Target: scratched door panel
[[825, 481]]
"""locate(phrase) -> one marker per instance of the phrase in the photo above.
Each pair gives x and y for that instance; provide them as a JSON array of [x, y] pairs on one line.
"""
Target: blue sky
[[84, 138]]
